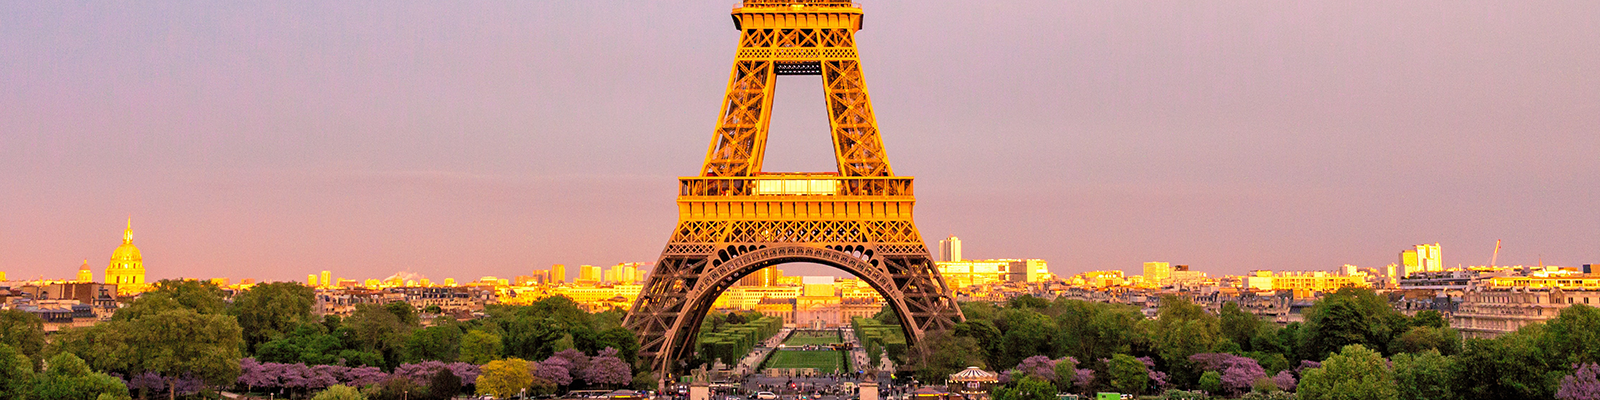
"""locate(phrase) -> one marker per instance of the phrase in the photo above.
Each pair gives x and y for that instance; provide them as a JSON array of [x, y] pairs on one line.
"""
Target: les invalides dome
[[127, 265]]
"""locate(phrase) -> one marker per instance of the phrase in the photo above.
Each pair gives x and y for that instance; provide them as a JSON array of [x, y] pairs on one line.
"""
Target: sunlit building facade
[[127, 266]]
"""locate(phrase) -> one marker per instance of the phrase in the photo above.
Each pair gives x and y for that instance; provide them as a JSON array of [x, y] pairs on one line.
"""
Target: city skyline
[[243, 143]]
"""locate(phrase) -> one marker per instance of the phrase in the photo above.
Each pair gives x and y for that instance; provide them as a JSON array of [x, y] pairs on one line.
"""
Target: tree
[[105, 346], [480, 347], [1028, 301], [67, 377], [1183, 329], [606, 370], [1574, 335], [1350, 316], [1443, 340], [374, 328], [1028, 388], [16, 374], [1582, 384], [1027, 333], [24, 332], [441, 342], [1511, 366], [1211, 382], [269, 310], [1066, 369], [1431, 318], [1426, 375], [940, 354], [339, 392], [1094, 331], [1355, 373], [1127, 374], [202, 297], [177, 342], [623, 340], [444, 385], [503, 378], [1238, 325], [404, 312]]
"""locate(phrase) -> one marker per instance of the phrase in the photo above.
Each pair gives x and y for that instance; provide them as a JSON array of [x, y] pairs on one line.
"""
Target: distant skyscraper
[[1157, 271], [311, 280], [590, 274], [327, 278], [558, 273], [1423, 258], [950, 249]]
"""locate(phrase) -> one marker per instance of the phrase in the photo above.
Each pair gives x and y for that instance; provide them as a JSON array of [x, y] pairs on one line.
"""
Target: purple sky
[[274, 139]]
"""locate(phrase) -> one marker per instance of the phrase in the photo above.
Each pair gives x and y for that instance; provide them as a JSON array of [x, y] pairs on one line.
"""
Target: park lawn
[[825, 361], [799, 340]]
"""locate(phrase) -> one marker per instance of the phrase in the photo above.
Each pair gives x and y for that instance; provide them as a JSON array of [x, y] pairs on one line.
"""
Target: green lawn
[[803, 338], [825, 361]]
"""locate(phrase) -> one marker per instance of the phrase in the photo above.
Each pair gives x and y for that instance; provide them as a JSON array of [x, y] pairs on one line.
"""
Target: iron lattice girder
[[666, 316], [739, 145], [734, 219]]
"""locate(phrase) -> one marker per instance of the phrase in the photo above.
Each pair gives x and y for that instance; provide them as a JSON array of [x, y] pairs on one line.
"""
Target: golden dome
[[126, 252]]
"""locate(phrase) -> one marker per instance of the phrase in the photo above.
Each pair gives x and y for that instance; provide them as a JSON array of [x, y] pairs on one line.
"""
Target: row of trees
[[1084, 347], [184, 335]]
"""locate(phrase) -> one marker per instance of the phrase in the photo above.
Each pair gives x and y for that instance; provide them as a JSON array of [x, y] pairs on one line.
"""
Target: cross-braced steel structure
[[734, 219]]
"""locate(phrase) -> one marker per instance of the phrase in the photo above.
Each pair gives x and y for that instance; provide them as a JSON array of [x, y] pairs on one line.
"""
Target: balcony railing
[[794, 185]]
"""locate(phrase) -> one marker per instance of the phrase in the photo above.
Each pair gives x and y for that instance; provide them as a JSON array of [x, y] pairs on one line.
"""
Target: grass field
[[825, 361], [802, 339]]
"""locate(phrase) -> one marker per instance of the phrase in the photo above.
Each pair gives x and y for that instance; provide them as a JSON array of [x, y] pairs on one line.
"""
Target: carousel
[[973, 382]]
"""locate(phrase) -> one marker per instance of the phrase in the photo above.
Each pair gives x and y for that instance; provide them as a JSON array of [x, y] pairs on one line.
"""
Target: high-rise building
[[327, 278], [1423, 258], [311, 280], [950, 249], [1157, 272], [590, 274], [762, 277], [558, 273], [127, 266]]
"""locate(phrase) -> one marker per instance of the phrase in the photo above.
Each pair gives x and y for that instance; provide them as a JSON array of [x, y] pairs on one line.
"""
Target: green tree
[[271, 310], [1183, 329], [503, 378], [479, 347], [1355, 373], [536, 331], [1027, 388], [1066, 369], [940, 354], [16, 374], [1028, 333], [1350, 316], [624, 341], [67, 377], [441, 342], [202, 297], [1028, 301], [1126, 374], [339, 392], [1240, 326], [1429, 318], [1427, 375], [1092, 331], [1511, 366], [1211, 382], [404, 312], [24, 332], [1574, 335], [986, 335], [105, 346], [374, 328], [178, 342], [1444, 340]]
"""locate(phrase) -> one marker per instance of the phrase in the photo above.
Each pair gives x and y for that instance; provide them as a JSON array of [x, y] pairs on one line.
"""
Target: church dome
[[126, 253]]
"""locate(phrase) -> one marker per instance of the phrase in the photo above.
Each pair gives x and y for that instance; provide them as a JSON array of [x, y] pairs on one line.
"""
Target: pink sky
[[271, 140]]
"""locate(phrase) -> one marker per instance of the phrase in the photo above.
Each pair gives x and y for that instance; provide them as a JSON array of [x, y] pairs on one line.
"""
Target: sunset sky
[[270, 140]]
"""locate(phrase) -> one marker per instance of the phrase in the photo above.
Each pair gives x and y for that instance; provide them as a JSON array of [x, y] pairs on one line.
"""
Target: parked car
[[766, 396]]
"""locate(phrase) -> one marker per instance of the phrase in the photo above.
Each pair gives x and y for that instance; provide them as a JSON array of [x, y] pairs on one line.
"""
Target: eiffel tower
[[734, 218]]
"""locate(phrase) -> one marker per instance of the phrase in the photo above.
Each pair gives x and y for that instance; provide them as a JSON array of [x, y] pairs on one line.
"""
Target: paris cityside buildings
[[1480, 301]]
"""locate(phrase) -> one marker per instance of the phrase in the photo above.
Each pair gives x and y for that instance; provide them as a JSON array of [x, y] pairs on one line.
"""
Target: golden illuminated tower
[[127, 266], [735, 219]]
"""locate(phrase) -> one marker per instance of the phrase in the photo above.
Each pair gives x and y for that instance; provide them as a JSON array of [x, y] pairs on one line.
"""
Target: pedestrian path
[[751, 361]]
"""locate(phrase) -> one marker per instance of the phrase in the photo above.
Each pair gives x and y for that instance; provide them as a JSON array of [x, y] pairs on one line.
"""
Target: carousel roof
[[974, 374]]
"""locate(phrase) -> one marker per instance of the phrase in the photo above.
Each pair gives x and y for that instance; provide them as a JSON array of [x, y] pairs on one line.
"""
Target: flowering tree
[[1082, 377], [557, 370], [1157, 378], [422, 373], [1285, 380], [607, 370], [576, 359], [365, 376], [1239, 374], [1041, 367], [1582, 384]]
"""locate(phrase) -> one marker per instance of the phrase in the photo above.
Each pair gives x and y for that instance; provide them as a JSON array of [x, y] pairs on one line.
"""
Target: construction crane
[[1496, 256]]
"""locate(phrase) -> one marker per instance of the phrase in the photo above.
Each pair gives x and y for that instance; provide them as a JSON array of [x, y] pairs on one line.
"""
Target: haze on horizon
[[272, 140]]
